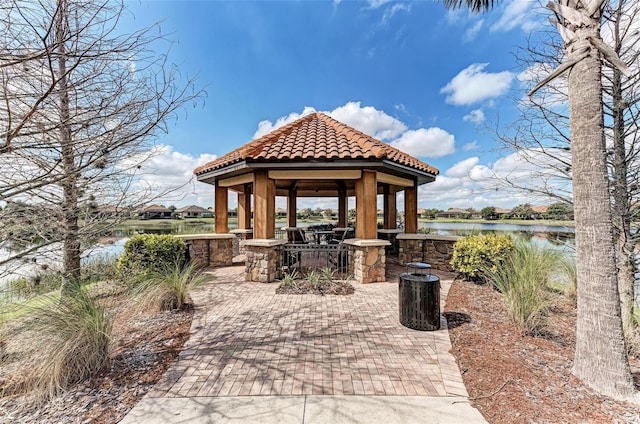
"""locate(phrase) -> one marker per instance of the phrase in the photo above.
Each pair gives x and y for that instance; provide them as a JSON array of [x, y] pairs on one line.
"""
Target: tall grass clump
[[170, 288], [570, 274], [64, 340], [522, 279]]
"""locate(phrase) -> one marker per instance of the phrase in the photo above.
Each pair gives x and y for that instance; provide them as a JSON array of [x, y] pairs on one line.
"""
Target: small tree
[[523, 211], [489, 212], [81, 105]]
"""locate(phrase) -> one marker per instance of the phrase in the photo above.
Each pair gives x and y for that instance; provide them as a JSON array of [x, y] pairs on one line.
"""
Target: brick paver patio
[[246, 340]]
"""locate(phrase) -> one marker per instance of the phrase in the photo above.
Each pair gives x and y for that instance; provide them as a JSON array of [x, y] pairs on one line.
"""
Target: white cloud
[[431, 142], [472, 32], [367, 119], [374, 4], [469, 183], [470, 146], [476, 116], [517, 13], [472, 85], [463, 168], [266, 126], [392, 10], [169, 171]]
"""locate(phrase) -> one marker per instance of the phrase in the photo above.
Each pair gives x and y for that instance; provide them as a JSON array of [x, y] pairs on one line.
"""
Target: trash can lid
[[418, 265]]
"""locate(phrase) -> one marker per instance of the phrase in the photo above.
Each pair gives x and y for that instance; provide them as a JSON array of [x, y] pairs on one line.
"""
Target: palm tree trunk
[[601, 354]]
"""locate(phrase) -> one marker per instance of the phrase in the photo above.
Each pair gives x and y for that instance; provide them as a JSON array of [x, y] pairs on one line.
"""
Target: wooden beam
[[411, 210], [338, 174], [389, 207], [342, 208], [240, 179], [221, 209], [366, 206], [393, 180], [292, 208], [244, 208], [264, 212]]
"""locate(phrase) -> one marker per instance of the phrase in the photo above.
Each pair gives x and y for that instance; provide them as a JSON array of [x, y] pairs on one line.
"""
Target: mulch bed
[[322, 288], [144, 346], [522, 379]]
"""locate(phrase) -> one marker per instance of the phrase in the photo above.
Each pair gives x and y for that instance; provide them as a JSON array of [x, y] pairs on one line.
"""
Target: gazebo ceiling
[[318, 156]]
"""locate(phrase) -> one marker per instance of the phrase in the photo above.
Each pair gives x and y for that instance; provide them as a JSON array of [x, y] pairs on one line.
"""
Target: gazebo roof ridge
[[315, 136]]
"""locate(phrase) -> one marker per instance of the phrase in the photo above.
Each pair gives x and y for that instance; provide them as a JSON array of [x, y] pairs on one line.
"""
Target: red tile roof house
[[154, 212], [315, 156]]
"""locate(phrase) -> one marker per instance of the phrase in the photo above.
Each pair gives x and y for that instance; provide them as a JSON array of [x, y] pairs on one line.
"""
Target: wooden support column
[[342, 208], [389, 208], [264, 211], [292, 208], [244, 208], [221, 209], [366, 206], [411, 209]]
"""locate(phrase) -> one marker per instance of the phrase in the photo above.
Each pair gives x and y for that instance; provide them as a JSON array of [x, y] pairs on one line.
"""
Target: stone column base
[[263, 259], [369, 260], [213, 250]]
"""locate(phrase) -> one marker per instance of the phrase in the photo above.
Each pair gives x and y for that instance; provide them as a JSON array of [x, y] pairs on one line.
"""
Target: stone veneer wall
[[369, 260], [263, 260], [241, 235], [432, 249], [213, 250]]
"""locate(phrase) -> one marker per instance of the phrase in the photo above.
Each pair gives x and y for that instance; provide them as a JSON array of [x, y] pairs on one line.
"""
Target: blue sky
[[425, 80]]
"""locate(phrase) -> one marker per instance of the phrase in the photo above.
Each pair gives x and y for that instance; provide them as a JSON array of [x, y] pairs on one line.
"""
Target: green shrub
[[289, 280], [476, 253], [522, 280], [64, 340], [152, 253], [170, 288], [328, 274], [314, 278]]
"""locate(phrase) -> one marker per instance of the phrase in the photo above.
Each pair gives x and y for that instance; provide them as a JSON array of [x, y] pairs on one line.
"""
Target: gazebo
[[315, 156]]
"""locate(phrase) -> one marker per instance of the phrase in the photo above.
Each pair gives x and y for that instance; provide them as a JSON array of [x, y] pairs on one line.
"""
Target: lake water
[[556, 237]]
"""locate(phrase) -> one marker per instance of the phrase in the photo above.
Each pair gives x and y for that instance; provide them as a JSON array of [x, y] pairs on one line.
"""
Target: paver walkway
[[246, 340]]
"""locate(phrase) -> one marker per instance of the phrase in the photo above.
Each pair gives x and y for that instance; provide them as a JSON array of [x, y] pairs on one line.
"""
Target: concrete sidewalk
[[346, 409]]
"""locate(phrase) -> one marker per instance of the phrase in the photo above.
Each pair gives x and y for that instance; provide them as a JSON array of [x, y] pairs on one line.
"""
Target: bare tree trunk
[[601, 354], [71, 242]]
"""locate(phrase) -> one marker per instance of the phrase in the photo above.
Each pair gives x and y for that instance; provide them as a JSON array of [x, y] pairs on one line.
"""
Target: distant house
[[193, 211], [503, 213], [453, 213], [281, 213], [154, 212], [540, 211]]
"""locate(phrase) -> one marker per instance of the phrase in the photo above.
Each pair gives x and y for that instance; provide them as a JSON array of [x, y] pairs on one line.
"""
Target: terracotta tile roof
[[154, 208], [540, 209], [192, 209], [315, 136]]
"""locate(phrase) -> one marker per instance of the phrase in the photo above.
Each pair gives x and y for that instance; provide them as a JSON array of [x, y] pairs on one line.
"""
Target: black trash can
[[419, 298]]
